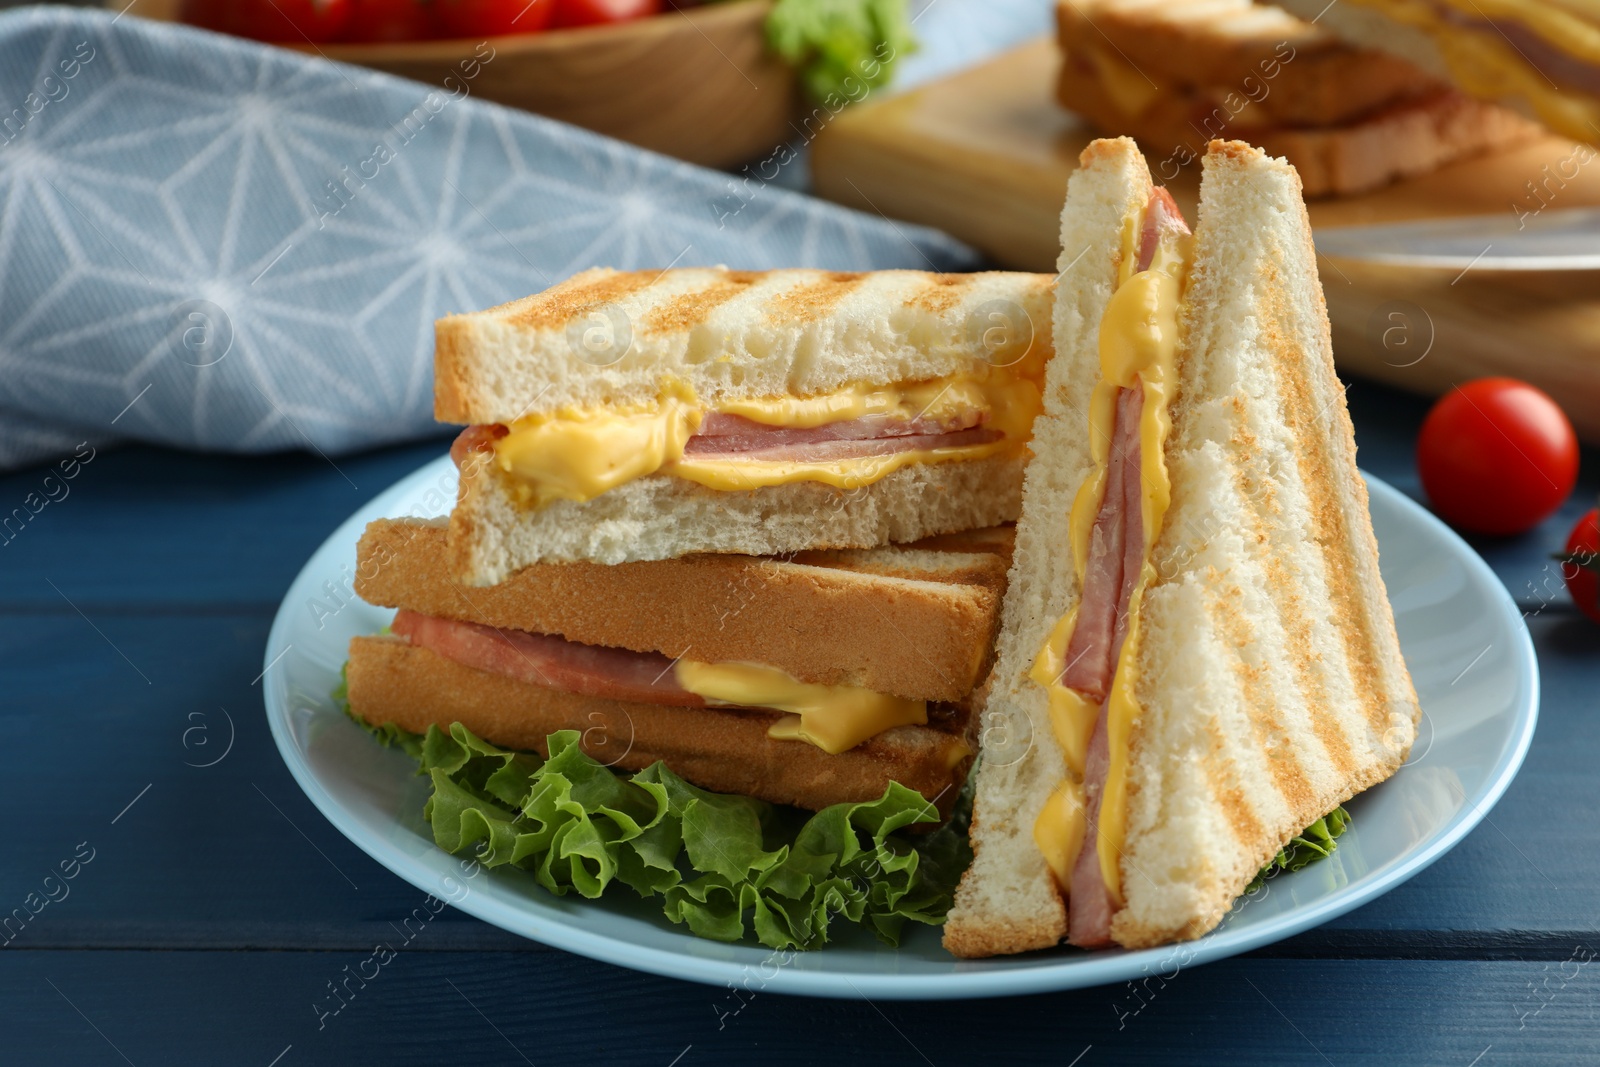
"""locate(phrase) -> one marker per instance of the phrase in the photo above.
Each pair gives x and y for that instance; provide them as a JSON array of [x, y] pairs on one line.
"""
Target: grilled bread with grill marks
[[1268, 676], [728, 336]]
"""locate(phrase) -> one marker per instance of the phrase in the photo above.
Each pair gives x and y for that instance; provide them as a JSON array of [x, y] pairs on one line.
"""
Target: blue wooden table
[[211, 907]]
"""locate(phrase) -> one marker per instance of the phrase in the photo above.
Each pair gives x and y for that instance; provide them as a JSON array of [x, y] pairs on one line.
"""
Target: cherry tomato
[[599, 12], [1580, 565], [280, 21], [390, 20], [493, 18], [1497, 456]]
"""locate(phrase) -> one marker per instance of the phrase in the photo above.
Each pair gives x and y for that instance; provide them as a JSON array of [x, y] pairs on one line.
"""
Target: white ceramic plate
[[1464, 640]]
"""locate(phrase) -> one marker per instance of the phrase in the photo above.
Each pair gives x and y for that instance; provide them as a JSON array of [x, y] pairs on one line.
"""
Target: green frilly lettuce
[[1313, 843], [842, 48], [727, 867]]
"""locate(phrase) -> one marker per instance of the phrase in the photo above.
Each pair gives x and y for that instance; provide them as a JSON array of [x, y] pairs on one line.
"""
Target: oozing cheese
[[1059, 829], [1486, 63], [578, 454], [1138, 345], [835, 718]]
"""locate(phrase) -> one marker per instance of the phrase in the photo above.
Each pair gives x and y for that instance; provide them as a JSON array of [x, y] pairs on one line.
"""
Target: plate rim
[[973, 982]]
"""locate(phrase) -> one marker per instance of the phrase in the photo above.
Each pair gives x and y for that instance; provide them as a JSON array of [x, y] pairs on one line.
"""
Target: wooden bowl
[[697, 84]]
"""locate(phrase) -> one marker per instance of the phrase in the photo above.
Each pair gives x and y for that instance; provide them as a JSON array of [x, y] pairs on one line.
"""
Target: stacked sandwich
[[752, 532], [1541, 58], [1177, 74], [744, 523]]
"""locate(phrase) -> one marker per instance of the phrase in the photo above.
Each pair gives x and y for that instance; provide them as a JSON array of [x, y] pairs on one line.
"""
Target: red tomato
[[493, 18], [281, 21], [1580, 566], [1497, 456], [598, 12], [390, 20]]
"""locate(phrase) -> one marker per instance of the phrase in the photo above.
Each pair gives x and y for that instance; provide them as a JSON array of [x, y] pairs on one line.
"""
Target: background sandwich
[[810, 681], [1197, 657], [644, 416], [1177, 73], [1540, 57]]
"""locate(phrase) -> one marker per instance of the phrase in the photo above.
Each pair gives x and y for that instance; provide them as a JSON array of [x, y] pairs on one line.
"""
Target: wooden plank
[[986, 154], [514, 1008]]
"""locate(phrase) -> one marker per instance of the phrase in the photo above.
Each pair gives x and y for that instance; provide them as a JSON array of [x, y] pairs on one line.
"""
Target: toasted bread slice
[[1270, 673], [1414, 136], [1544, 61], [610, 338], [660, 517], [1008, 901], [1293, 73], [723, 749], [1268, 676], [913, 621]]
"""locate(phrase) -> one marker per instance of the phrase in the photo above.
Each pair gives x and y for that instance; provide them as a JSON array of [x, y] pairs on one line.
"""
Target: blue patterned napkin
[[218, 245]]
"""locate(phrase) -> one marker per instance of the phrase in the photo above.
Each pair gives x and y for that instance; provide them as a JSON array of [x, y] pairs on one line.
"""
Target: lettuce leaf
[[842, 48], [729, 868], [1313, 843]]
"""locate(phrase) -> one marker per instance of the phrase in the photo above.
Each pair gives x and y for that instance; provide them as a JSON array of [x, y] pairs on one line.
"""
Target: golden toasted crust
[[1295, 72], [722, 749], [1413, 136], [914, 620]]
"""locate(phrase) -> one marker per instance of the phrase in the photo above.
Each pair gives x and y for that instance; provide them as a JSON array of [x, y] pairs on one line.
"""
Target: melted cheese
[[1138, 345], [1130, 89], [835, 718], [1487, 64], [576, 454], [1060, 828]]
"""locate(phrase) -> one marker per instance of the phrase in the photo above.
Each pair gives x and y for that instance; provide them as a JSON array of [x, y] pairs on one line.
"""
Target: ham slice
[[1089, 907], [1090, 657], [1116, 557], [758, 448], [734, 437], [552, 662]]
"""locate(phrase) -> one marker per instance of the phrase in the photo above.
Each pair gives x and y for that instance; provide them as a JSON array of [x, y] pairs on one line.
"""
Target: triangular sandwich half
[[1197, 656]]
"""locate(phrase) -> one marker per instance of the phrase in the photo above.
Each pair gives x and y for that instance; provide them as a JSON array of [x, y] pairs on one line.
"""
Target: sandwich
[[810, 680], [1177, 73], [625, 417], [1541, 58], [1197, 659]]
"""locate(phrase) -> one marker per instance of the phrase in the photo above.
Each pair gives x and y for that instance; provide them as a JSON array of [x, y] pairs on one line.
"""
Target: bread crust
[[914, 621], [726, 750]]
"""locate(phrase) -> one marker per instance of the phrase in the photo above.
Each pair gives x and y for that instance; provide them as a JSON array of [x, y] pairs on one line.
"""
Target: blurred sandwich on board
[[1197, 658], [648, 415], [1540, 56], [1177, 73], [810, 680]]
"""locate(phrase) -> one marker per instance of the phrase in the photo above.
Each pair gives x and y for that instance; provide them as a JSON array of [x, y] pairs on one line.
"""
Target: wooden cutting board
[[985, 155]]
